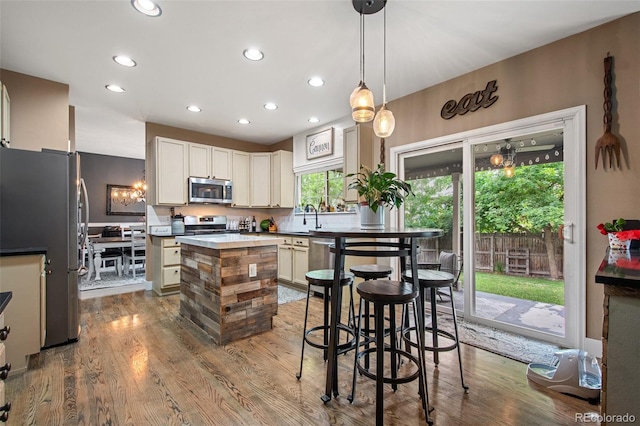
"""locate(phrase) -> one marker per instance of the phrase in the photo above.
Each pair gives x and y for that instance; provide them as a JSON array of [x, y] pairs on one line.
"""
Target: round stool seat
[[431, 278], [371, 272], [387, 291], [324, 277]]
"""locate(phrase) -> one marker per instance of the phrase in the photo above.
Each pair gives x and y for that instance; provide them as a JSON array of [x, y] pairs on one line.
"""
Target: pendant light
[[384, 122], [361, 99]]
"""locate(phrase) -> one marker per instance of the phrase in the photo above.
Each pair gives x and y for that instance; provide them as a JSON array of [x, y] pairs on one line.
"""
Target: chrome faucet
[[304, 215]]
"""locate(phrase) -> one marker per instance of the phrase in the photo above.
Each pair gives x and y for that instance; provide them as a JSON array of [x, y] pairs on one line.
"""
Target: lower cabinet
[[293, 260], [23, 276], [5, 407], [166, 265]]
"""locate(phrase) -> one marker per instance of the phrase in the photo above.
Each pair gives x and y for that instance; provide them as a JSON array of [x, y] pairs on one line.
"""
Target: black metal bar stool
[[389, 293], [370, 272], [324, 278], [433, 280]]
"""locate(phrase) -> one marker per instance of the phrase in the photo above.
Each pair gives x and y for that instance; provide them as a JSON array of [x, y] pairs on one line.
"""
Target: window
[[323, 189]]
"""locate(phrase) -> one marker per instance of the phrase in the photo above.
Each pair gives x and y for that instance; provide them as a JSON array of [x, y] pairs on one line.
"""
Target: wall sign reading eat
[[471, 101]]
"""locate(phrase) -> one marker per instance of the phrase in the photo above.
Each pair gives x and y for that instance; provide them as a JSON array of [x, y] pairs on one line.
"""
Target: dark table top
[[376, 233], [22, 251], [620, 268], [5, 297]]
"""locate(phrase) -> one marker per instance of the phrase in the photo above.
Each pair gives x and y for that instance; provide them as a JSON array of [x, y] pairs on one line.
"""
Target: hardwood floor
[[139, 363]]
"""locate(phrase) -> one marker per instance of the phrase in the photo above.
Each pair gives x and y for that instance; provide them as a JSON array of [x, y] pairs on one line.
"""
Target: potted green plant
[[378, 188]]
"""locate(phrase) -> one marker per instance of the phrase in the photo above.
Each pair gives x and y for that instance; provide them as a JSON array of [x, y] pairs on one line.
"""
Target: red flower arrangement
[[616, 226]]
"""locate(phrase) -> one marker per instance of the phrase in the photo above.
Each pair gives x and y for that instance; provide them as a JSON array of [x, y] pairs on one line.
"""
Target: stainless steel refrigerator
[[42, 205]]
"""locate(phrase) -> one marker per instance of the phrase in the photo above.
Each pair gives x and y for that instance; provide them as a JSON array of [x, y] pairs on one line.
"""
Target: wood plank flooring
[[139, 363]]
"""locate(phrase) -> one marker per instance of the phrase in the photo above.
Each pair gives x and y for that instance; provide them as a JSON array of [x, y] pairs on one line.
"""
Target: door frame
[[572, 121]]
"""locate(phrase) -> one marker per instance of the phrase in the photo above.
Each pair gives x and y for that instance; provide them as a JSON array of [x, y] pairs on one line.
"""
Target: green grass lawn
[[536, 289]]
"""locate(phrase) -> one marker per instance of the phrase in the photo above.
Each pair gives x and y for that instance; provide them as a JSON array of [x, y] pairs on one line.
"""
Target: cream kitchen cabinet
[[5, 115], [240, 179], [293, 260], [260, 175], [199, 160], [285, 260], [168, 169], [282, 179], [165, 253], [207, 161], [221, 162], [24, 276], [358, 150]]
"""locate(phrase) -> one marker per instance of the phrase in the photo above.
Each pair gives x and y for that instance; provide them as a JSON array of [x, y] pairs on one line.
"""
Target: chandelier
[[127, 195], [505, 158]]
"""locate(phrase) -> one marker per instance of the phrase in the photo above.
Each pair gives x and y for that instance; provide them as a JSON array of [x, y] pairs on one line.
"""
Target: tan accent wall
[[39, 112], [154, 129], [285, 145], [72, 128], [560, 75]]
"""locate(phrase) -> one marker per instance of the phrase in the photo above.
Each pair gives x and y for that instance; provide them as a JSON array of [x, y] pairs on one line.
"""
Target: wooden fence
[[514, 254]]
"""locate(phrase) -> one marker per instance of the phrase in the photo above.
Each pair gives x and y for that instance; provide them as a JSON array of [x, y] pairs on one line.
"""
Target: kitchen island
[[228, 284]]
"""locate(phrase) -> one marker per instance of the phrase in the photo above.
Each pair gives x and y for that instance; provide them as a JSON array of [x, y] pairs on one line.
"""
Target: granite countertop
[[620, 267], [5, 297], [22, 251], [228, 241]]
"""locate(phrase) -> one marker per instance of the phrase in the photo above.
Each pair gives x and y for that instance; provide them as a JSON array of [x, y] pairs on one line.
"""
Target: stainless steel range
[[208, 225]]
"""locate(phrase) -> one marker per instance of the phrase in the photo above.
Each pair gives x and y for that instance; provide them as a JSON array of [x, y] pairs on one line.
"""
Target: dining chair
[[111, 255], [135, 251]]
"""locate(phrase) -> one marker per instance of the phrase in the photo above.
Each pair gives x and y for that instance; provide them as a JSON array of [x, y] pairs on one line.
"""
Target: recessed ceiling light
[[253, 54], [194, 108], [114, 88], [125, 61], [243, 121], [270, 106], [314, 120], [316, 82], [147, 7]]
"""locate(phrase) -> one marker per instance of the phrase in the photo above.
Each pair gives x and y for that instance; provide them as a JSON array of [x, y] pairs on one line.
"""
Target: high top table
[[392, 242]]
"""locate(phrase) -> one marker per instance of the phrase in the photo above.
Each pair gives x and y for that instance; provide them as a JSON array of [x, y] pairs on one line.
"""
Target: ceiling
[[192, 54]]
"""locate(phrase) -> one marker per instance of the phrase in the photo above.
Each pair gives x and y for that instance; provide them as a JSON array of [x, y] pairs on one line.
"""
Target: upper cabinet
[[221, 163], [199, 160], [260, 174], [358, 141], [169, 160], [209, 162], [5, 116], [240, 179], [282, 179], [259, 180]]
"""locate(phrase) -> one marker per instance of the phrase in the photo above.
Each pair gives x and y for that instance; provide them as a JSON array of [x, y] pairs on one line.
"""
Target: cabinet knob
[[5, 412], [4, 371], [4, 333], [176, 271]]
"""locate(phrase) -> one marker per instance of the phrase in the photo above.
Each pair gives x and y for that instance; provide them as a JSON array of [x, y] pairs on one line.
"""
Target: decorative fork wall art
[[608, 144]]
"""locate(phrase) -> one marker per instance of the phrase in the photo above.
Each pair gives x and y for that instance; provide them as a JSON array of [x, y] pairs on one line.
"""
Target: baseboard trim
[[593, 347]]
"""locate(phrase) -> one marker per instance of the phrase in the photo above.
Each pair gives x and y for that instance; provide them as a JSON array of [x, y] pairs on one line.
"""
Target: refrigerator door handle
[[83, 235]]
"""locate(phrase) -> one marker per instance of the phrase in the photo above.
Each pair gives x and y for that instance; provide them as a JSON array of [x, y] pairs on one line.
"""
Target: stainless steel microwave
[[212, 191]]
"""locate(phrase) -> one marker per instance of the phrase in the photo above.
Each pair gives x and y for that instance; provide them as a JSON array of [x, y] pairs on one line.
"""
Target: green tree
[[532, 201], [432, 206]]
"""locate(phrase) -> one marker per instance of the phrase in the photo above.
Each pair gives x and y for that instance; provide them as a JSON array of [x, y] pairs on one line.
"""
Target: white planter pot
[[371, 220]]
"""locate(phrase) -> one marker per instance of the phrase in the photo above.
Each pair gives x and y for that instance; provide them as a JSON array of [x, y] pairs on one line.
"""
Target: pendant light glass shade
[[496, 159], [384, 123], [352, 97], [363, 109], [509, 171]]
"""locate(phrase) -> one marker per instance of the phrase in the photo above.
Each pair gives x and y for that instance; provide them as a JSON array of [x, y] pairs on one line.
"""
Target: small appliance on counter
[[574, 372], [177, 224]]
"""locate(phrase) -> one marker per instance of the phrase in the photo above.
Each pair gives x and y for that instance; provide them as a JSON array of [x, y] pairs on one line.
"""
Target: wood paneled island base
[[217, 294]]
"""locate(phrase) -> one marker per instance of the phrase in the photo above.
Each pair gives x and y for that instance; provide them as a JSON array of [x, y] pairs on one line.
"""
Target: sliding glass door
[[510, 199]]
